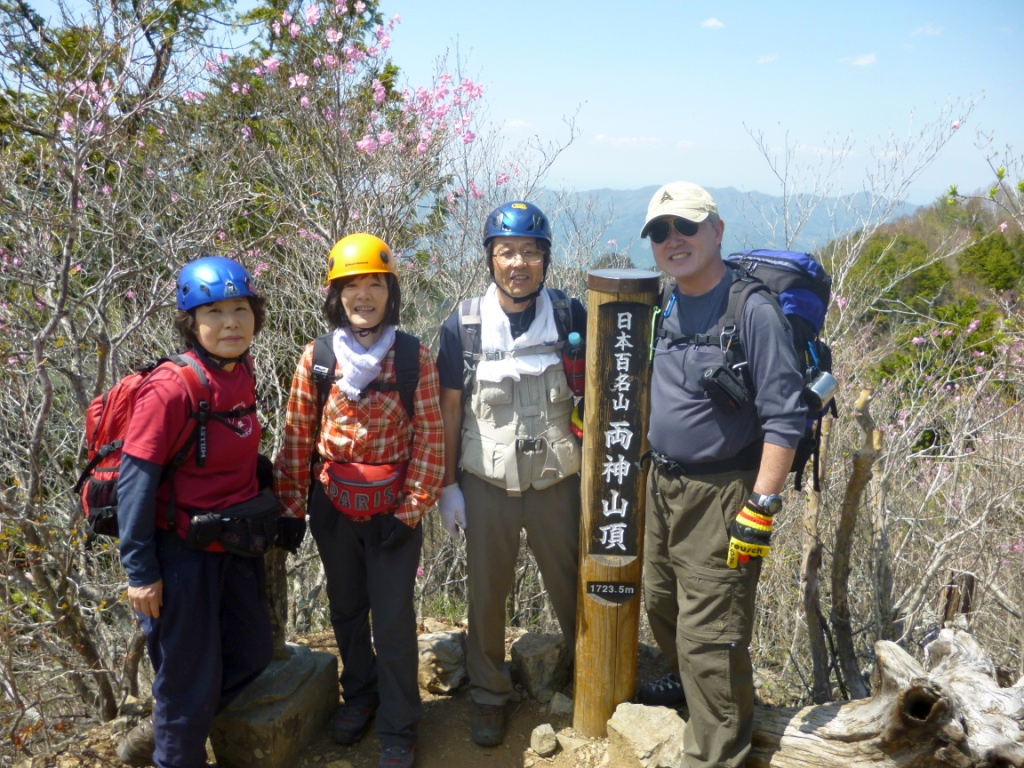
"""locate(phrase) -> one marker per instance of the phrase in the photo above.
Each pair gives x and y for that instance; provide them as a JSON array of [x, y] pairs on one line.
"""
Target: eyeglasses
[[658, 230], [507, 255]]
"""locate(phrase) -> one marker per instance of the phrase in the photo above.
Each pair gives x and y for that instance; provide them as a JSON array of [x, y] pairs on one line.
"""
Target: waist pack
[[248, 529], [363, 490]]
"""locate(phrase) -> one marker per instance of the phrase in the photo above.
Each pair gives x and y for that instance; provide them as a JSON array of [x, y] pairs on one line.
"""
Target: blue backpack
[[801, 290]]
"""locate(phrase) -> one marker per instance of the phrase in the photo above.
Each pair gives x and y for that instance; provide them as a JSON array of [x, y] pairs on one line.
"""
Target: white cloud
[[516, 124], [686, 144], [928, 30], [627, 142], [767, 58], [864, 60], [712, 23]]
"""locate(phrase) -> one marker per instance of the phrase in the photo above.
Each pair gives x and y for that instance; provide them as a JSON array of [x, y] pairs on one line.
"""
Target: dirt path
[[443, 742]]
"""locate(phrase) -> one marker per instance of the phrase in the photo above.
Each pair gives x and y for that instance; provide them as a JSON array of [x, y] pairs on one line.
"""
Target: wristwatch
[[771, 504]]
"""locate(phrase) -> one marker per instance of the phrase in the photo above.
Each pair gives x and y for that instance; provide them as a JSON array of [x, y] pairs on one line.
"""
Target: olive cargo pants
[[701, 611]]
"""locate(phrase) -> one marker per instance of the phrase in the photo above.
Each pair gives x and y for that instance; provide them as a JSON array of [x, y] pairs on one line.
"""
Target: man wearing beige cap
[[722, 444]]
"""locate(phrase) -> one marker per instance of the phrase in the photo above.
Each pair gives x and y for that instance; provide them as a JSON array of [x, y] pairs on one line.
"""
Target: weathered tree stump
[[952, 713]]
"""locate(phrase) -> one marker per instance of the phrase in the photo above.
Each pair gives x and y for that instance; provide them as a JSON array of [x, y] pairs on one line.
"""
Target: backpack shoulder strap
[[324, 363], [560, 303], [469, 329], [407, 371]]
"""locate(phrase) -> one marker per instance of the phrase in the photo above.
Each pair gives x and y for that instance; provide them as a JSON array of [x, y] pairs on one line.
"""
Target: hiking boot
[[136, 748], [666, 692], [351, 722], [487, 724], [397, 756]]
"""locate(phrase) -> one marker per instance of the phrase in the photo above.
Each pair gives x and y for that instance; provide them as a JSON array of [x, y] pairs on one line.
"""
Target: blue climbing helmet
[[517, 219], [212, 278]]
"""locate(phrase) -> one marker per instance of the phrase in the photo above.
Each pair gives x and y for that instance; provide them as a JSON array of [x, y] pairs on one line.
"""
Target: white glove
[[452, 506]]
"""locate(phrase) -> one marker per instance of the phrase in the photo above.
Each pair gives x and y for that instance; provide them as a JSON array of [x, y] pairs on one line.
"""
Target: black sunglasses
[[658, 230]]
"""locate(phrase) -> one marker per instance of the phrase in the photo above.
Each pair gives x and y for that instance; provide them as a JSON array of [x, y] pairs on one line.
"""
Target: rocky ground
[[444, 740]]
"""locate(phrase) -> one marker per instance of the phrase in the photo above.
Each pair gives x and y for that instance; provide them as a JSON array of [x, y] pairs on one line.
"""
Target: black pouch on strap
[[248, 529]]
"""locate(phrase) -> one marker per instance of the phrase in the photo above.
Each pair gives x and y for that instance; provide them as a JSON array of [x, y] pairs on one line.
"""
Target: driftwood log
[[951, 712]]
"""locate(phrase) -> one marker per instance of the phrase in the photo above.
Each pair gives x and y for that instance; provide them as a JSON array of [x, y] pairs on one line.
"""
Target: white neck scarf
[[496, 336], [359, 366]]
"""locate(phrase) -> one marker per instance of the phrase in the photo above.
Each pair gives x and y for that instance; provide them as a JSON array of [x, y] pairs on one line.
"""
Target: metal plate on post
[[622, 280]]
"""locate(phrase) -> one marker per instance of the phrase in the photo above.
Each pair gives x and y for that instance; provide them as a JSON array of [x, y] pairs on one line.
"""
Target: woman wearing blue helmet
[[193, 583]]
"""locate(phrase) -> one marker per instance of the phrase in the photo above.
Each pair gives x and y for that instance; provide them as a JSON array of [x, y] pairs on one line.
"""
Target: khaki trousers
[[551, 519], [701, 611]]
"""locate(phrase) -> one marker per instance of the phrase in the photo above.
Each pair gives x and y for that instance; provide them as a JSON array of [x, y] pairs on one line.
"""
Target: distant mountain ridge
[[749, 218]]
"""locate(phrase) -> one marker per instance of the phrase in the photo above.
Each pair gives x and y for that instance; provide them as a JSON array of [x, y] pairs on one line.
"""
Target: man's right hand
[[148, 599], [452, 506]]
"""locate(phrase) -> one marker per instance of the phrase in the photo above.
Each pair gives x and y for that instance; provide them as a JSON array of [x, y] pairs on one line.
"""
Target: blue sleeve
[[579, 317], [450, 365], [137, 484]]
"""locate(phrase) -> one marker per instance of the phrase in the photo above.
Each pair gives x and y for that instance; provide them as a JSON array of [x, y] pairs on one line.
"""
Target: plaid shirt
[[373, 430]]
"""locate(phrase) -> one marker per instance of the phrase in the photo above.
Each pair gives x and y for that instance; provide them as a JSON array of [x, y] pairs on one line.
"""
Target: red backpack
[[106, 424]]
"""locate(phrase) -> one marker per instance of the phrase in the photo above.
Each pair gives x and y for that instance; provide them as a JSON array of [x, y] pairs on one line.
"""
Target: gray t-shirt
[[688, 427]]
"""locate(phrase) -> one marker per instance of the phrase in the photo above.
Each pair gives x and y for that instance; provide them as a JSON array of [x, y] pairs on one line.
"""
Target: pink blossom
[[260, 269], [948, 332], [212, 67], [246, 132], [276, 26], [245, 88], [286, 18], [235, 87], [221, 235], [340, 8], [271, 64], [312, 15], [67, 123], [385, 137], [468, 136], [304, 102], [373, 51], [613, 243], [355, 214], [360, 6], [1003, 227], [378, 92], [421, 149], [106, 190], [294, 29], [367, 144], [196, 97], [330, 60], [130, 294], [973, 326], [333, 35], [917, 340], [175, 197], [298, 81], [955, 126], [223, 58], [502, 178]]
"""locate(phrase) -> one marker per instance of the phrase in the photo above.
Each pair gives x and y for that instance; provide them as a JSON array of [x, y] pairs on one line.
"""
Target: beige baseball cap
[[680, 198]]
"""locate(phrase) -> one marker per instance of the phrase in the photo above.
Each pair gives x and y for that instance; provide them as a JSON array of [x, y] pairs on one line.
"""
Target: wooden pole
[[612, 520]]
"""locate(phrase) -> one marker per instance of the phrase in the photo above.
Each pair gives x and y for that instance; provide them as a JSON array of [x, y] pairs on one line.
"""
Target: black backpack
[[407, 371], [800, 289], [469, 334]]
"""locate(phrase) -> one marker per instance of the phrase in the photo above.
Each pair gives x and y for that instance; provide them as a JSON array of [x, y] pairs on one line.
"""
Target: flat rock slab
[[273, 720]]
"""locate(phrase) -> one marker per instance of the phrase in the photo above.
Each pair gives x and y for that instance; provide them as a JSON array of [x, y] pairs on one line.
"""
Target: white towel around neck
[[496, 336], [359, 366]]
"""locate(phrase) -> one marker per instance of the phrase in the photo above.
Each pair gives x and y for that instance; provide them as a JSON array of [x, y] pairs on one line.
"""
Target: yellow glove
[[576, 420], [750, 534]]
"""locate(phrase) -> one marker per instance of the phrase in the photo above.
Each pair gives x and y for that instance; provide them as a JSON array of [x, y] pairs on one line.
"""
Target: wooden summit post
[[612, 496]]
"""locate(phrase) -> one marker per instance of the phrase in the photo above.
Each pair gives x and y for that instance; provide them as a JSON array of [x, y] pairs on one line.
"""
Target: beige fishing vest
[[515, 434]]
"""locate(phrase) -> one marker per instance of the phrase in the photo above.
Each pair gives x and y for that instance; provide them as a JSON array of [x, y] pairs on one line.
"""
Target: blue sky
[[664, 89]]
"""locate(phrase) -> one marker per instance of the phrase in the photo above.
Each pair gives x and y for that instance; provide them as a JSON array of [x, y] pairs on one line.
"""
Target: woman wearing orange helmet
[[368, 466]]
